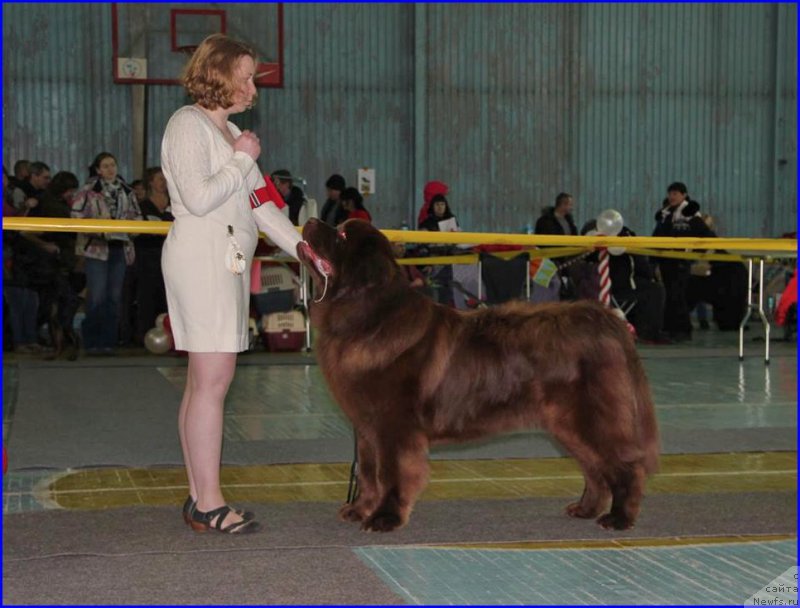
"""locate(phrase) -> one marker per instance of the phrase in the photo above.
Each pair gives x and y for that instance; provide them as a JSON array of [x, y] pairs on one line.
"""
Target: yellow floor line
[[625, 543], [450, 480]]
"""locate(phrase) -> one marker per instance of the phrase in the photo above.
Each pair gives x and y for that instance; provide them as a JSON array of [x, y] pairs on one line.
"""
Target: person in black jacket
[[332, 212], [558, 219], [679, 216]]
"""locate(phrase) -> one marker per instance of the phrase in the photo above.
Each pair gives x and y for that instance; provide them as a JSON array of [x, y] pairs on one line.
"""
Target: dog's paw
[[382, 522], [349, 512], [576, 509], [611, 521]]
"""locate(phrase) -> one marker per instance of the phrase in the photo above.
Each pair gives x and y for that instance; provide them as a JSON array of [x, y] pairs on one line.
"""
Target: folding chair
[[505, 279]]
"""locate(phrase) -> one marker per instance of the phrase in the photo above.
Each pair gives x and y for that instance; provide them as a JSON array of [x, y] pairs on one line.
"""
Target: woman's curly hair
[[209, 77]]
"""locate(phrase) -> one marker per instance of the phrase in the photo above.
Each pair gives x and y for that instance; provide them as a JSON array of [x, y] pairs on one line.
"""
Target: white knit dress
[[209, 187]]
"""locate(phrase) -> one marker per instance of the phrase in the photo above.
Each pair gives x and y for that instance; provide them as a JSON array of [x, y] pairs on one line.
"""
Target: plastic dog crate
[[284, 331], [273, 289]]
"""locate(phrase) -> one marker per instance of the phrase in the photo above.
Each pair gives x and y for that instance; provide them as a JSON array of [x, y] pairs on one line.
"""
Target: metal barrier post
[[760, 308], [749, 309]]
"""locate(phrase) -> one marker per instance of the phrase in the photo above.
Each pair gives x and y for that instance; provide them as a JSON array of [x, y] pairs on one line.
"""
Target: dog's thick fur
[[409, 373]]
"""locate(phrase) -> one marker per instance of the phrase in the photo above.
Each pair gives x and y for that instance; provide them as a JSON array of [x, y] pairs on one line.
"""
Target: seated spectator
[[557, 219], [20, 264], [722, 285], [439, 211], [37, 180], [139, 189], [332, 212], [432, 188], [22, 170], [293, 196], [10, 206], [414, 275], [151, 295], [699, 284], [440, 275], [353, 203], [59, 299]]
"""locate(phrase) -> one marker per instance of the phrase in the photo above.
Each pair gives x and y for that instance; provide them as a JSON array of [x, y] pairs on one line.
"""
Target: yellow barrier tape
[[688, 255], [550, 252], [40, 224]]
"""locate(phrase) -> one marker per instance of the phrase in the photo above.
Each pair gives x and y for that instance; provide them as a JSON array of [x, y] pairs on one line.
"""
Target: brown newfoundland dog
[[410, 373]]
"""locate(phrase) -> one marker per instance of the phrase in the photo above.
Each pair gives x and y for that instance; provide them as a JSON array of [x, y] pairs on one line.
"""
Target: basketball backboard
[[152, 42]]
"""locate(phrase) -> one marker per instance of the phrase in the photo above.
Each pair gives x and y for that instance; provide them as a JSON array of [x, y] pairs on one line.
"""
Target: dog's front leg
[[367, 498], [402, 475]]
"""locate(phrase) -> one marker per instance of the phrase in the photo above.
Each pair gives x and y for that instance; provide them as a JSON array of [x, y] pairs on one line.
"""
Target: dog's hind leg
[[627, 487], [367, 497], [596, 492], [402, 475]]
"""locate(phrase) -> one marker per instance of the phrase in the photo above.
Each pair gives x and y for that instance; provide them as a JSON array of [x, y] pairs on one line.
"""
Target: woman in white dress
[[216, 190]]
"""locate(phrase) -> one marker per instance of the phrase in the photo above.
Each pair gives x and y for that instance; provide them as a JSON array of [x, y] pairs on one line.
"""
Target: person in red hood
[[431, 189]]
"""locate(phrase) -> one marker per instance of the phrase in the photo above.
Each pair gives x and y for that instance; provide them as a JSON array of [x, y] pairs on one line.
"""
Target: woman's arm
[[187, 156], [271, 220]]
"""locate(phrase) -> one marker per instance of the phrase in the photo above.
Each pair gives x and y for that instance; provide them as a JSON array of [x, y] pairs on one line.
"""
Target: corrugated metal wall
[[610, 102], [60, 105]]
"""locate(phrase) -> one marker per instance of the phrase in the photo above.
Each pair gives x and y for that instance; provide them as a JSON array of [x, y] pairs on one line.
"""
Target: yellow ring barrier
[[753, 247]]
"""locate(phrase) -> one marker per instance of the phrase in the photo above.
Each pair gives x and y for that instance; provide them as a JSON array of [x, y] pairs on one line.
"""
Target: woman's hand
[[248, 143]]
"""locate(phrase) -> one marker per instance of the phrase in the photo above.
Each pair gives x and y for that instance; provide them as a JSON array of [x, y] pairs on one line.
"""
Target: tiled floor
[[731, 573]]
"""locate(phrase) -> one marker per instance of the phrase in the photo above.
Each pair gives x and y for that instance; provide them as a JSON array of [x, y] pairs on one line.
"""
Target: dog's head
[[351, 259]]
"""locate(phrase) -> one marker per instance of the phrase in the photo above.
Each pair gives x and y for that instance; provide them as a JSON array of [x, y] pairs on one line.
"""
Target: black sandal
[[191, 504], [201, 522]]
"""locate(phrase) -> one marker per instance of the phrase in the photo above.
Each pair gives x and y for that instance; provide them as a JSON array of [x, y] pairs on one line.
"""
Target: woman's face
[[439, 207], [107, 169], [347, 204], [246, 89]]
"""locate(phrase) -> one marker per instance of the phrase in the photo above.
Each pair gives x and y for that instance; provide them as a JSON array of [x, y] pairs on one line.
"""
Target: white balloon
[[616, 250], [158, 341], [160, 320], [610, 222], [591, 233]]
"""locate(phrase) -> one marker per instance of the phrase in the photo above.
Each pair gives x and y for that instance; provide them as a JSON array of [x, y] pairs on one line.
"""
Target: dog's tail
[[646, 424]]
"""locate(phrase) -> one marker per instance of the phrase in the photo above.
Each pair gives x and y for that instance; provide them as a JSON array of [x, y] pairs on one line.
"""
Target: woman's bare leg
[[209, 377], [187, 396]]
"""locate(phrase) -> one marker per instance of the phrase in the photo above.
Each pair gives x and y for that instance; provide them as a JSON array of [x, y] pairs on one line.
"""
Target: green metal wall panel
[[59, 103], [508, 103]]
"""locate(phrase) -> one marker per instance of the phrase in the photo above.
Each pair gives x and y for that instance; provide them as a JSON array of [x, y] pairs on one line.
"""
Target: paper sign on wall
[[366, 181]]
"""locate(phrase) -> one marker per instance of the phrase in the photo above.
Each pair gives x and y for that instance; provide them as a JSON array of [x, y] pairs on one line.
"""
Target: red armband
[[266, 194]]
